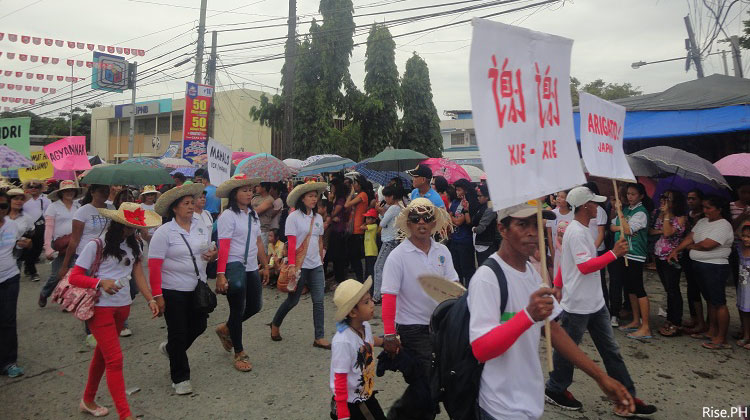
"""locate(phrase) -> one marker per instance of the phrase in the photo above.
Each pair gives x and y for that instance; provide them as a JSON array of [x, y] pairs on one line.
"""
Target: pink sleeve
[[498, 340], [558, 282], [154, 275], [389, 313], [79, 278], [292, 249], [221, 264], [595, 264], [49, 229], [340, 395]]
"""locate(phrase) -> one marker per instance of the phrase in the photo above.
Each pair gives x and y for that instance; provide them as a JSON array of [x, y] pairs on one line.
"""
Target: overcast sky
[[609, 35]]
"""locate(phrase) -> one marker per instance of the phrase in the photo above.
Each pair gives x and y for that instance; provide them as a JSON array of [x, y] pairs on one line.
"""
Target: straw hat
[[236, 181], [132, 215], [5, 184], [174, 194], [66, 185], [17, 191], [439, 288], [348, 295], [148, 189], [301, 190], [421, 205]]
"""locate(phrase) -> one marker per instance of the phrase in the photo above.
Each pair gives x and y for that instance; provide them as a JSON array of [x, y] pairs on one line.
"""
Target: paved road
[[290, 378]]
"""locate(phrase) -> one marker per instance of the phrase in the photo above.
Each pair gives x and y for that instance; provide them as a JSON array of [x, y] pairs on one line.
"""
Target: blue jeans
[[315, 281], [604, 340], [52, 281], [385, 250], [245, 297]]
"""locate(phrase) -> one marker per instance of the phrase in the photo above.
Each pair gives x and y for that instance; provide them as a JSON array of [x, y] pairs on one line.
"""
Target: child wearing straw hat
[[352, 362]]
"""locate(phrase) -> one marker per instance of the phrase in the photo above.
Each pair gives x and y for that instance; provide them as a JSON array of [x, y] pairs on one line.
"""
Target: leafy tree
[[336, 45], [608, 91], [60, 125], [420, 126], [745, 40]]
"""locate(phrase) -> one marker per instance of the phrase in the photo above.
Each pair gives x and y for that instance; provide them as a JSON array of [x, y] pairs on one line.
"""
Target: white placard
[[523, 115], [602, 127], [219, 162]]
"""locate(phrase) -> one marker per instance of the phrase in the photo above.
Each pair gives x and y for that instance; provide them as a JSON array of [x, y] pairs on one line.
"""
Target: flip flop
[[712, 346], [745, 344], [700, 336], [628, 330], [639, 338]]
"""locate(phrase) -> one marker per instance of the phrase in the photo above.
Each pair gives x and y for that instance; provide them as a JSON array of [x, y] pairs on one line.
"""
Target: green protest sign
[[14, 133]]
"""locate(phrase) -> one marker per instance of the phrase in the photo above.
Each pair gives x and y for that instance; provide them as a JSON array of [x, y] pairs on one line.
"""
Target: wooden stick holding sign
[[619, 214], [545, 278]]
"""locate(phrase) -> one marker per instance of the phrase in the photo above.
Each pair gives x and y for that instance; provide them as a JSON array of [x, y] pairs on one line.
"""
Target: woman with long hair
[[25, 225], [177, 258], [393, 196], [120, 260], [337, 252], [304, 232], [237, 276]]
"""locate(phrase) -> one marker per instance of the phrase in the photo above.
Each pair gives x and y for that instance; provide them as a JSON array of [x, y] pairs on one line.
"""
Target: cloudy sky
[[609, 35]]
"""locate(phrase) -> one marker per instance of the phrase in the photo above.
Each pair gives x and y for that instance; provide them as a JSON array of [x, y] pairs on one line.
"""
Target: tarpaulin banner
[[69, 153], [219, 162], [602, 128], [14, 133], [195, 119], [523, 115], [42, 168]]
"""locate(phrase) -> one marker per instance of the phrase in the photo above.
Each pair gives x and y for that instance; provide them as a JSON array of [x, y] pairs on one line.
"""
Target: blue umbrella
[[381, 177], [326, 164], [186, 170]]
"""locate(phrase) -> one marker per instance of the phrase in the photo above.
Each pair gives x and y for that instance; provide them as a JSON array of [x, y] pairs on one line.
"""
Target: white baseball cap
[[579, 196]]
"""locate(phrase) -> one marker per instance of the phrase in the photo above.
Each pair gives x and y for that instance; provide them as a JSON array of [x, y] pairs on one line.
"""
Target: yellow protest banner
[[42, 168]]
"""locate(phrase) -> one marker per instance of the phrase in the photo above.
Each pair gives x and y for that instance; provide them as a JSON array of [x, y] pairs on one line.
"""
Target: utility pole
[[290, 63], [133, 76], [734, 40], [212, 81], [724, 60], [199, 52], [693, 51], [71, 100]]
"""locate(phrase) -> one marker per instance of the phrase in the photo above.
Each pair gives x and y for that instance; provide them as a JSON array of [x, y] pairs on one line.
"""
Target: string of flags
[[17, 100], [27, 88], [45, 59], [26, 39], [39, 76]]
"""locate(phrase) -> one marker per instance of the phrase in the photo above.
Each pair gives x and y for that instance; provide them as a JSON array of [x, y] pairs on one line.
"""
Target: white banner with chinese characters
[[602, 127], [522, 111]]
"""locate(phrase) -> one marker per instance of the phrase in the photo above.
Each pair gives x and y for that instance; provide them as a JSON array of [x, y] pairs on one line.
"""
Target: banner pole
[[619, 214], [545, 278]]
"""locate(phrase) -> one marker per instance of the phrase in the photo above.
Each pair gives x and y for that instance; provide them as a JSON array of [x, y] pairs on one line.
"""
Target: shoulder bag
[[204, 299], [285, 283], [79, 301]]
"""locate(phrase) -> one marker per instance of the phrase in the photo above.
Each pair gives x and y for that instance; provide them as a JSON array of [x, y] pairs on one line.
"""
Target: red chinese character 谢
[[506, 94], [546, 94]]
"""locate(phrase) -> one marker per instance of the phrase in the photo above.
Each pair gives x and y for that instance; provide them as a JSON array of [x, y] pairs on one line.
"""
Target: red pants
[[106, 325]]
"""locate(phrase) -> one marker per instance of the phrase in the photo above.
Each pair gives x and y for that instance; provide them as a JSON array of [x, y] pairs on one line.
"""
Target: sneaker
[[662, 312], [13, 371], [641, 410], [35, 277], [91, 341], [564, 400], [42, 302], [163, 348], [614, 322], [183, 388], [126, 332]]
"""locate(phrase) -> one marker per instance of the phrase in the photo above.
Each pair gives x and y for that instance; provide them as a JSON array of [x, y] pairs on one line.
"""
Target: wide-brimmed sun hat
[[440, 288], [443, 226], [301, 190], [236, 181], [347, 296], [66, 185], [17, 191], [148, 189], [132, 215], [174, 194]]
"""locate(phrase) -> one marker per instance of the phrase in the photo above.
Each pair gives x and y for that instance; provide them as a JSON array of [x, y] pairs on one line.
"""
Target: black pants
[[693, 283], [30, 256], [8, 335], [370, 270], [603, 277], [617, 293], [463, 260], [336, 253], [670, 279], [356, 251], [415, 403], [634, 279], [482, 256], [245, 297], [184, 325], [367, 410]]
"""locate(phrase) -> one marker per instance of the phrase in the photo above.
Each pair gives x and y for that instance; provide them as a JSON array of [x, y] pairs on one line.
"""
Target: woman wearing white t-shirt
[[562, 214], [87, 224], [58, 221], [300, 224], [710, 243], [177, 258], [120, 260], [200, 213], [237, 269], [25, 225]]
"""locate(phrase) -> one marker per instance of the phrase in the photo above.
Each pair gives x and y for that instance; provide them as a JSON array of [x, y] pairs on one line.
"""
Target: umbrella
[[734, 165], [126, 174], [679, 162], [264, 165], [315, 158], [640, 167], [175, 162], [397, 160], [185, 170], [328, 164], [293, 163], [683, 185], [475, 173], [237, 157], [147, 162], [9, 158], [382, 177], [84, 173], [446, 168], [200, 160]]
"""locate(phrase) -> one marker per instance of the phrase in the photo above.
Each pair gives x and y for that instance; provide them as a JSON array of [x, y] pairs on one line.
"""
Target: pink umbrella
[[734, 165], [448, 169], [237, 157]]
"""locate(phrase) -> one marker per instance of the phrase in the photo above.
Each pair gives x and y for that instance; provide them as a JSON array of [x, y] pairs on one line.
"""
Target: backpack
[[456, 373]]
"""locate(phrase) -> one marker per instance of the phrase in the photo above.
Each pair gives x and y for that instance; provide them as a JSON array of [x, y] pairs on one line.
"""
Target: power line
[[231, 11], [21, 8]]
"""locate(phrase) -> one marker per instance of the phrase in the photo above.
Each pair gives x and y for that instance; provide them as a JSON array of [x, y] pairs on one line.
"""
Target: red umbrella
[[448, 169], [238, 157]]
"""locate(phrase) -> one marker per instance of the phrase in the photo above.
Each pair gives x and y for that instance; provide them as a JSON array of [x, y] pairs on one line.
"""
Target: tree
[[745, 40], [60, 125], [420, 125], [380, 123], [608, 91], [337, 43]]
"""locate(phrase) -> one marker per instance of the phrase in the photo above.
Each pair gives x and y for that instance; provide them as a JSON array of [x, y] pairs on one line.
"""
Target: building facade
[[459, 139]]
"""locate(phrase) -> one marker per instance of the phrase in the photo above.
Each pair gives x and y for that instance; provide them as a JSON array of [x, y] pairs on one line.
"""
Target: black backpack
[[456, 373]]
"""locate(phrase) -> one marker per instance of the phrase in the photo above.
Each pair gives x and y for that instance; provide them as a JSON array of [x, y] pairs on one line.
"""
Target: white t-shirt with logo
[[552, 224], [63, 218], [234, 226], [582, 293], [599, 220], [177, 270], [94, 224], [512, 384], [110, 269], [402, 268], [9, 235], [298, 224], [719, 231], [351, 355]]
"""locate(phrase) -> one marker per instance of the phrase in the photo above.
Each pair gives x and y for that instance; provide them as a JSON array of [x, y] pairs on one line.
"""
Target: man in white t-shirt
[[512, 381], [583, 303]]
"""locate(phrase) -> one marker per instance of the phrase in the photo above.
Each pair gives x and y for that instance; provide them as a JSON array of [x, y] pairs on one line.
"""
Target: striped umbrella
[[381, 177], [265, 166]]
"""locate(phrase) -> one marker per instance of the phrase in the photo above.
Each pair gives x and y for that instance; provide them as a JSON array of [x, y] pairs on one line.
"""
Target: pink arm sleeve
[[49, 229], [79, 278], [558, 282], [389, 313], [154, 275], [292, 249], [340, 395], [596, 264], [224, 245], [498, 340]]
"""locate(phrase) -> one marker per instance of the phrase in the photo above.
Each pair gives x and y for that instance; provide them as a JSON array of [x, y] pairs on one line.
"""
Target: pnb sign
[[109, 72]]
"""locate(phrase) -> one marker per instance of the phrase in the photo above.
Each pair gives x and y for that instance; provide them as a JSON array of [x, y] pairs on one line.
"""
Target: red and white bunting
[[39, 76], [46, 60], [10, 99], [26, 39]]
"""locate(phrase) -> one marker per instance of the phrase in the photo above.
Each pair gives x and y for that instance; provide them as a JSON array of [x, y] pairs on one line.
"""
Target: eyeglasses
[[4, 206], [415, 218], [35, 186]]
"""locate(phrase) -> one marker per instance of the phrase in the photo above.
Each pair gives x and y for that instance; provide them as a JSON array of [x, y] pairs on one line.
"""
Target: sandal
[[700, 336], [226, 340], [242, 362], [321, 346], [670, 331], [99, 411], [277, 336], [710, 345], [745, 344]]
